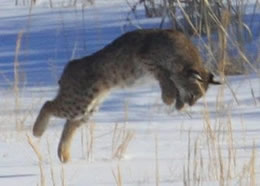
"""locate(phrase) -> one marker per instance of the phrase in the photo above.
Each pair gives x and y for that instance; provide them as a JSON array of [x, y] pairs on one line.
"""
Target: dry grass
[[16, 83], [117, 176], [52, 172], [88, 140], [40, 159], [217, 143], [120, 140], [157, 171], [62, 176], [221, 165], [208, 18]]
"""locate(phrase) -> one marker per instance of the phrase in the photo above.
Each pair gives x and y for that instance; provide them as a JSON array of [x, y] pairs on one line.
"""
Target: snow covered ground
[[134, 139]]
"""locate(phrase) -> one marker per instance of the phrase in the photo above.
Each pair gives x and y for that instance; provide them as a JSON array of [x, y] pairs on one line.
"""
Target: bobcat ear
[[212, 81], [195, 74]]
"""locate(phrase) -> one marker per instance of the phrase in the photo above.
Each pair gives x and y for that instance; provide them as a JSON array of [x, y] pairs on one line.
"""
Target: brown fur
[[167, 55]]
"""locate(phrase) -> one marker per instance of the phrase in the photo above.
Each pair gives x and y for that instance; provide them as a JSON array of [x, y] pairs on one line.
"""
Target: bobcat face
[[191, 84]]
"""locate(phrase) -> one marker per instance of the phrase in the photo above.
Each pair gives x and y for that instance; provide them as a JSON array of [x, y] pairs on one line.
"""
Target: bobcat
[[167, 55]]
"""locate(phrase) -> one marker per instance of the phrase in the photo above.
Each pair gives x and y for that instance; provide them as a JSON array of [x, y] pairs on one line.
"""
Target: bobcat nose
[[192, 99]]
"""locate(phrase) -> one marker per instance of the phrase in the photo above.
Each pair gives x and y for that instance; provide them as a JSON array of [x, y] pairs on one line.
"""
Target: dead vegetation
[[218, 26]]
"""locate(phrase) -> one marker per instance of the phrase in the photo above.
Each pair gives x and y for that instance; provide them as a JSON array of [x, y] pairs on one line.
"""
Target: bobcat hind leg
[[71, 127], [43, 118]]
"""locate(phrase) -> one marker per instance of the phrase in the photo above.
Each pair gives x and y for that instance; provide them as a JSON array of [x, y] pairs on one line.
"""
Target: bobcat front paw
[[169, 94], [168, 100], [179, 104]]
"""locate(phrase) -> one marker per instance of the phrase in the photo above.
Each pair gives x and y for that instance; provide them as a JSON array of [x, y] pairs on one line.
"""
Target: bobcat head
[[191, 84], [176, 64]]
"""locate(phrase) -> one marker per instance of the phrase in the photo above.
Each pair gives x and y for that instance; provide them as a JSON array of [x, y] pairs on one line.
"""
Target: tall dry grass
[[121, 139], [208, 19], [88, 140], [212, 157], [16, 83], [40, 160], [221, 165], [118, 176], [157, 170]]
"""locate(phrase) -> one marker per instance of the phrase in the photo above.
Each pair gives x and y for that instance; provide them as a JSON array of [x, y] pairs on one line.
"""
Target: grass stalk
[[157, 172], [40, 159], [252, 164], [62, 176], [90, 140], [117, 176], [51, 165], [17, 80], [120, 141]]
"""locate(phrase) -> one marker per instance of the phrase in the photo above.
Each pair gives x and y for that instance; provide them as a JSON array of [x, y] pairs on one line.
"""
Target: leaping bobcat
[[167, 55]]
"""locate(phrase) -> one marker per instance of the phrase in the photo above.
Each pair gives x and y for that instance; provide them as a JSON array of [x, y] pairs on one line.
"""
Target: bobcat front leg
[[168, 91], [168, 88]]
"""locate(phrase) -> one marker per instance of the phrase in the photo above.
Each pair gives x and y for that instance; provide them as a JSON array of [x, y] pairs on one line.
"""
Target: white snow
[[215, 142]]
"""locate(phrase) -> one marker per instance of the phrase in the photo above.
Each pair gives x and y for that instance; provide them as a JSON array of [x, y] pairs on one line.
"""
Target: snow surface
[[216, 142]]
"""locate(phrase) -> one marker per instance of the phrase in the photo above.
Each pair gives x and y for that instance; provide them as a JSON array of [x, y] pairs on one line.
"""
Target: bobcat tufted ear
[[195, 74], [212, 81]]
